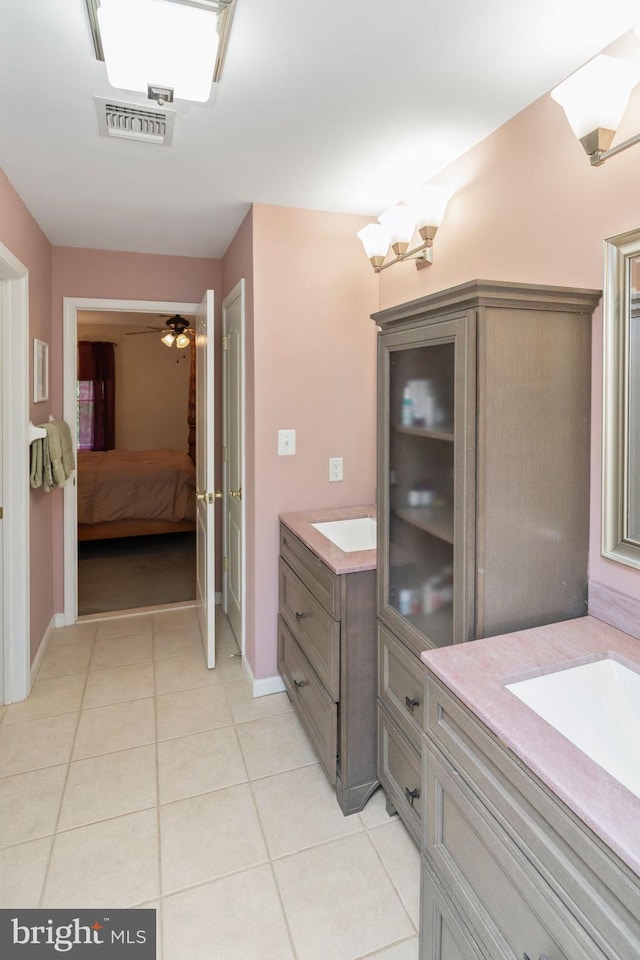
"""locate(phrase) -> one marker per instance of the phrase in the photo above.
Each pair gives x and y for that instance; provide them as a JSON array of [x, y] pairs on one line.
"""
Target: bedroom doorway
[[147, 314]]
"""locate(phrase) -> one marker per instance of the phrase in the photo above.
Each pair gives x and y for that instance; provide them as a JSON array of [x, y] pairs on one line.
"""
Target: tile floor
[[134, 776]]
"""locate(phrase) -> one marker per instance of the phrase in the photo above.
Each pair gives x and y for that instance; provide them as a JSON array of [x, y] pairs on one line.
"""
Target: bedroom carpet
[[136, 572]]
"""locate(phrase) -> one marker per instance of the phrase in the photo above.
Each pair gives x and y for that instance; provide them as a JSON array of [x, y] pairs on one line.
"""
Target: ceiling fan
[[180, 332]]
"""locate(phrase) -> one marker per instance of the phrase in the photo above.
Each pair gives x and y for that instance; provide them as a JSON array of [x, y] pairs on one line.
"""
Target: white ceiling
[[339, 105]]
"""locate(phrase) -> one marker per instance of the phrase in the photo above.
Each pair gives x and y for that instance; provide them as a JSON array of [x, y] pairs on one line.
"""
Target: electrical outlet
[[286, 443], [335, 468]]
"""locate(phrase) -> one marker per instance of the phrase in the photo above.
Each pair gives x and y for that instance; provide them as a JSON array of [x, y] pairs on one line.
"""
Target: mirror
[[621, 414]]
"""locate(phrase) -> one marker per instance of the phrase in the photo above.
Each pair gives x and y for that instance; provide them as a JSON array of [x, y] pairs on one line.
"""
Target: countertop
[[477, 672], [335, 558]]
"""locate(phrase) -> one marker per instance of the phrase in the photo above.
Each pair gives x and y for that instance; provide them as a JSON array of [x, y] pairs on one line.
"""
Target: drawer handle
[[412, 795], [299, 684], [301, 616], [412, 702]]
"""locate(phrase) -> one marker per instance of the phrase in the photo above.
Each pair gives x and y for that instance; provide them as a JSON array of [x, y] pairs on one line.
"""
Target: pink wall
[[529, 207], [106, 274], [22, 236], [314, 356]]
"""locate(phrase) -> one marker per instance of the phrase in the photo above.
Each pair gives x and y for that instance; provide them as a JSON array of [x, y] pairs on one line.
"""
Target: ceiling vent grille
[[131, 121]]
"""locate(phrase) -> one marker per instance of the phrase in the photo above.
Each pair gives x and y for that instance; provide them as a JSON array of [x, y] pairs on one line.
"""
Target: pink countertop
[[335, 558], [477, 672]]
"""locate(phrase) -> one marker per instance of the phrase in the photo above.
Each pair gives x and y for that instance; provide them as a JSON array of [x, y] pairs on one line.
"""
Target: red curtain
[[96, 396]]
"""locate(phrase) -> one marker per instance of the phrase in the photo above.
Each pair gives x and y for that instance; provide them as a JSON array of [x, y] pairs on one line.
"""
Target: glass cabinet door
[[420, 465]]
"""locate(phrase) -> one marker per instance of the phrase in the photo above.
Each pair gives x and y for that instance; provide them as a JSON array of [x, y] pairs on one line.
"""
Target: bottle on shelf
[[407, 408]]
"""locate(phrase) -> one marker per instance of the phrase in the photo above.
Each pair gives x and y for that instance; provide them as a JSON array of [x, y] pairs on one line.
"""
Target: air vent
[[132, 121]]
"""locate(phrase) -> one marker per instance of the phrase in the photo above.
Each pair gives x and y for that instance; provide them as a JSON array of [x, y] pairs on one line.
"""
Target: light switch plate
[[286, 443]]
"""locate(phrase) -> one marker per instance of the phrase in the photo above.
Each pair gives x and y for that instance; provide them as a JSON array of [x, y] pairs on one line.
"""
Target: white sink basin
[[350, 535], [597, 707]]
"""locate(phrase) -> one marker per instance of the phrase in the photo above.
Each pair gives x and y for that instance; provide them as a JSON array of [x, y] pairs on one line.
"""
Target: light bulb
[[168, 339], [182, 341]]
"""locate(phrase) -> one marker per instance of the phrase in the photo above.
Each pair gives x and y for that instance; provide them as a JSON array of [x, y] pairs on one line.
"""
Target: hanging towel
[[36, 475], [52, 460]]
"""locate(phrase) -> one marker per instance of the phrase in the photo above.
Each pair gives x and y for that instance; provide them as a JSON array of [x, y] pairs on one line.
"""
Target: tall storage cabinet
[[483, 486]]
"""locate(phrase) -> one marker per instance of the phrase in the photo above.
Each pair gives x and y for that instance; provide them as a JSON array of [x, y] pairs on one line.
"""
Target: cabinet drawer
[[316, 576], [595, 886], [511, 909], [318, 713], [444, 935], [401, 684], [399, 772], [318, 635]]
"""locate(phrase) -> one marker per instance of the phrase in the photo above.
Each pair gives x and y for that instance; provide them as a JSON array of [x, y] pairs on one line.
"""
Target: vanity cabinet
[[327, 659], [483, 486], [508, 871]]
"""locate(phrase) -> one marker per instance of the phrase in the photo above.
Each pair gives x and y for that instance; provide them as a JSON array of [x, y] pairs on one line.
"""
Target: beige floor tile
[[299, 809], [114, 862], [77, 633], [117, 651], [274, 744], [407, 950], [36, 743], [184, 673], [244, 706], [177, 642], [199, 763], [124, 626], [339, 901], [192, 711], [116, 726], [60, 661], [375, 812], [179, 617], [109, 786], [2, 712], [116, 684], [22, 873], [48, 698], [29, 804], [401, 859], [206, 837], [236, 918], [230, 667]]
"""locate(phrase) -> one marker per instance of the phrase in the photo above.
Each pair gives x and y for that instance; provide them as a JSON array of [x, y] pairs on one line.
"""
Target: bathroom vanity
[[530, 849], [327, 641]]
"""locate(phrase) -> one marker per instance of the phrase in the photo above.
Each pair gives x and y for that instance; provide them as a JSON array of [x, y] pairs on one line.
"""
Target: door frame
[[15, 647], [71, 306], [237, 292]]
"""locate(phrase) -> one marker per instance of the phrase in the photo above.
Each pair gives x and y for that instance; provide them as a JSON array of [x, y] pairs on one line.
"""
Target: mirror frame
[[619, 251]]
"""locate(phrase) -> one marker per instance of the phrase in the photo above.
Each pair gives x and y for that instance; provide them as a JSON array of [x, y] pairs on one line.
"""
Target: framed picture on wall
[[40, 371]]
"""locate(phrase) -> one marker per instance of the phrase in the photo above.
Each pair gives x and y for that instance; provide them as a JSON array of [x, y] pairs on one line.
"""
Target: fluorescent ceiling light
[[174, 44]]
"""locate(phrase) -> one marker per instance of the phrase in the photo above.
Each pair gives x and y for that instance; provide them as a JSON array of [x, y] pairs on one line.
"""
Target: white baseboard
[[264, 686], [57, 620]]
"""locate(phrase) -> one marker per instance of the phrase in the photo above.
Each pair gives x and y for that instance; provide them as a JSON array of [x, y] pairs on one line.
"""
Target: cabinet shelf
[[444, 433], [438, 521]]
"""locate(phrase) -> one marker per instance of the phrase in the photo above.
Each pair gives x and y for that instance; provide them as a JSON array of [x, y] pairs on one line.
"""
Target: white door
[[233, 421], [205, 480]]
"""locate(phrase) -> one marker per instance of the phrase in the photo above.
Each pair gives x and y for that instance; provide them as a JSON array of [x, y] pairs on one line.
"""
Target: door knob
[[217, 495], [200, 496], [236, 493]]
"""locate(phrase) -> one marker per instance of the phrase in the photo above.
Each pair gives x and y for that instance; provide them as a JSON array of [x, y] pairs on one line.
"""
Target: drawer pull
[[412, 795], [299, 684], [412, 702], [301, 616]]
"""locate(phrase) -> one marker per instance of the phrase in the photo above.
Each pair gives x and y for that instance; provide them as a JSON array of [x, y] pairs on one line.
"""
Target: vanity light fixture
[[162, 48], [396, 227], [594, 99]]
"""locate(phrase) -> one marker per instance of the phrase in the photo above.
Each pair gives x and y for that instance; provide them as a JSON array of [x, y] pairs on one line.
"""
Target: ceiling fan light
[[163, 44], [182, 341], [168, 339]]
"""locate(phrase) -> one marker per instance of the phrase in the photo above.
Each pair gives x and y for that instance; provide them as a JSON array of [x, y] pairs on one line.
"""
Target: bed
[[132, 493]]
